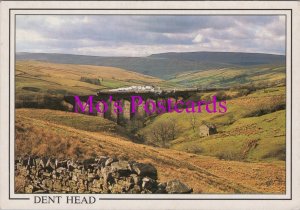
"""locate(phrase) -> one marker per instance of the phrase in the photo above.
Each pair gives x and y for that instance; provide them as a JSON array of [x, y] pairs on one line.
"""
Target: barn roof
[[208, 124]]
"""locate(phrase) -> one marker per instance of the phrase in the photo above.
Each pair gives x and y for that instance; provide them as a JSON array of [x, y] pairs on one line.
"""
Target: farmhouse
[[207, 129]]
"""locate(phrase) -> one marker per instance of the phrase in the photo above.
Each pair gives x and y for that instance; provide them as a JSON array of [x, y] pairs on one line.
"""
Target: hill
[[234, 58], [165, 65], [267, 75], [253, 128], [40, 131], [36, 79]]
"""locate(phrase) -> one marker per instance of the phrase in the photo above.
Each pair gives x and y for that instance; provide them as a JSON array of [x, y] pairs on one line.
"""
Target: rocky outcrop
[[175, 186], [100, 175]]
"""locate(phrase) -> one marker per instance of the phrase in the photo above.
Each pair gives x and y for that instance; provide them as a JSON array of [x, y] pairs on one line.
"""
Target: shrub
[[93, 81], [243, 92], [221, 95], [195, 150], [43, 101], [134, 125], [267, 109], [78, 151], [279, 154], [229, 155]]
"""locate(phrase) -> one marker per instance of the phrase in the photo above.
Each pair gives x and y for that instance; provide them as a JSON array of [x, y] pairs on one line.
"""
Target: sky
[[136, 36]]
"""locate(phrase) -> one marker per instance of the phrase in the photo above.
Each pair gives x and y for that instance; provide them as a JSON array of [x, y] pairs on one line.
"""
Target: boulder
[[109, 161], [29, 189], [91, 176], [143, 169], [46, 175], [57, 186], [135, 189], [121, 167], [136, 179], [62, 164], [60, 170], [41, 191], [107, 175], [102, 160], [88, 163], [149, 184], [161, 188], [175, 186], [47, 183]]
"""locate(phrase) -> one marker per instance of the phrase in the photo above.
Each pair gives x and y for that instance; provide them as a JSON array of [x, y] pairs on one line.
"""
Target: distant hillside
[[36, 79], [234, 58], [164, 65], [228, 77]]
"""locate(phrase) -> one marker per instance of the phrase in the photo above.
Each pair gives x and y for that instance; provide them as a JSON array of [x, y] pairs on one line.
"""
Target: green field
[[228, 77], [252, 129]]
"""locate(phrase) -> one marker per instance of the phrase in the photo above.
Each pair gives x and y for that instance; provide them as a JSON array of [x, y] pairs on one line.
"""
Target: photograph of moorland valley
[[237, 59]]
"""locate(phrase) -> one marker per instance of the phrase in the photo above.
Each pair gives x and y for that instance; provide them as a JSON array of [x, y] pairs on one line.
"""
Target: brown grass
[[204, 174], [75, 72]]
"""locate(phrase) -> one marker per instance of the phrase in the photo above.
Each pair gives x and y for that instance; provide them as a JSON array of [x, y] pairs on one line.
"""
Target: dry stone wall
[[100, 175]]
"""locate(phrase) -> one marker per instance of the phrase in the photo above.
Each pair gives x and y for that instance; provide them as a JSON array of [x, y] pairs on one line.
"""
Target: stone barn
[[207, 129]]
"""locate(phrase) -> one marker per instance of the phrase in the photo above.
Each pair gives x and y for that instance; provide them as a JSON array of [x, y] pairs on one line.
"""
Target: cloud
[[198, 38], [141, 35], [28, 36]]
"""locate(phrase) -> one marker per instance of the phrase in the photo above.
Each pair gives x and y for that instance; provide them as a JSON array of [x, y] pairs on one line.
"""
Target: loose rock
[[175, 186]]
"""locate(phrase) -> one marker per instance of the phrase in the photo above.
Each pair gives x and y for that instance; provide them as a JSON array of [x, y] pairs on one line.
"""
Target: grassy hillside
[[35, 79], [74, 120], [234, 58], [48, 132], [228, 77], [252, 129], [158, 67], [71, 75], [164, 65]]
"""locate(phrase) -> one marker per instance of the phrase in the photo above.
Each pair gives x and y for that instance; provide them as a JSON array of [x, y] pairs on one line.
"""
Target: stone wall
[[100, 175]]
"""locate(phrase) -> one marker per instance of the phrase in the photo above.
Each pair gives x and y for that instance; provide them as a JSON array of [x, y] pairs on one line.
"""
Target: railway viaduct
[[125, 97]]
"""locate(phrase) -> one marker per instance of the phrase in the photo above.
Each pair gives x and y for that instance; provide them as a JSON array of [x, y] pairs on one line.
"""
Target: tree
[[164, 131], [193, 121], [221, 95]]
